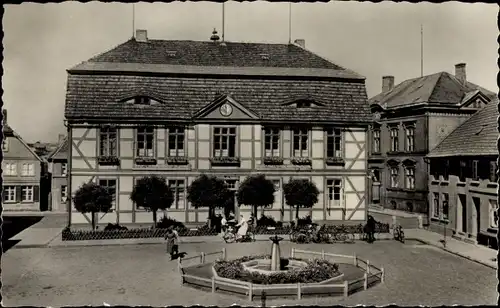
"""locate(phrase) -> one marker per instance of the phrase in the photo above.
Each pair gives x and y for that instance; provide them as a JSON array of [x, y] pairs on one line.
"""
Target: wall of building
[[17, 153], [58, 182], [198, 149], [441, 125], [461, 199]]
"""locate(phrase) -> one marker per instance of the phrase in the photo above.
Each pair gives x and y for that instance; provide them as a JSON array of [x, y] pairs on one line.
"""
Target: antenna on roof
[[289, 22], [421, 50], [133, 19], [223, 21]]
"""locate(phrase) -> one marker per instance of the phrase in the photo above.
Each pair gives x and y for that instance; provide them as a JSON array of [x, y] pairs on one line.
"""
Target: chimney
[[61, 138], [141, 35], [4, 114], [460, 72], [300, 42], [387, 83]]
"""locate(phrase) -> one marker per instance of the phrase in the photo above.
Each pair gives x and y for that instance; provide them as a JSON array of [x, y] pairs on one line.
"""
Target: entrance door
[[476, 222], [462, 213]]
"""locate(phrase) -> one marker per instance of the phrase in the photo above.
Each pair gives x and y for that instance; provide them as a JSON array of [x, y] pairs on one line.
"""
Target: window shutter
[[3, 194], [36, 193], [18, 194]]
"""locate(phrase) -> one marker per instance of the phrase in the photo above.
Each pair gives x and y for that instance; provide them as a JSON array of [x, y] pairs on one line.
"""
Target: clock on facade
[[377, 115], [226, 110]]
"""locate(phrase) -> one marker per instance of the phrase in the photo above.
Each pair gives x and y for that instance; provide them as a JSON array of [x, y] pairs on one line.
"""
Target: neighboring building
[[58, 168], [21, 172], [182, 108], [463, 182], [410, 120]]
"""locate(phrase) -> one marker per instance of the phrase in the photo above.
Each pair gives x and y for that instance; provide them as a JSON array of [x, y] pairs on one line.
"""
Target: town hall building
[[180, 109]]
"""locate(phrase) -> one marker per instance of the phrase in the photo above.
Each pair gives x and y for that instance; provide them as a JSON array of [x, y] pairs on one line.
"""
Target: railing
[[248, 288]]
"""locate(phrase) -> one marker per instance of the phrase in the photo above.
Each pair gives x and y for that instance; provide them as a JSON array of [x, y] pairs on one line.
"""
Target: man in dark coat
[[370, 228]]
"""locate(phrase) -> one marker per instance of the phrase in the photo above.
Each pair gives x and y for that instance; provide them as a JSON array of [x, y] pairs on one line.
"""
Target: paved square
[[132, 275]]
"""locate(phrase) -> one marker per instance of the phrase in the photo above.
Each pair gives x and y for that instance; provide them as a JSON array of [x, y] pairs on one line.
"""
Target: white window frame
[[10, 193], [10, 169], [446, 199], [376, 140], [177, 136], [410, 138], [108, 141], [145, 148], [273, 134], [394, 176], [334, 142], [493, 210], [436, 211], [113, 194], [228, 136], [334, 189], [27, 191], [64, 193], [410, 177], [302, 134], [28, 169], [179, 193], [394, 133]]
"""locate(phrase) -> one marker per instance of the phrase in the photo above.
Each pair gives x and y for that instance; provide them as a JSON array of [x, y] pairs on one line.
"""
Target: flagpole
[[223, 13], [421, 50], [133, 19], [289, 22]]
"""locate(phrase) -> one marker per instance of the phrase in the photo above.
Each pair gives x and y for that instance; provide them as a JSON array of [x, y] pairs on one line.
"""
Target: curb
[[458, 254]]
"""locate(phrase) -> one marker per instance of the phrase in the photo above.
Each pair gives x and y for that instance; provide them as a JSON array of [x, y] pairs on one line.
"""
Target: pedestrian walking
[[370, 228], [172, 238]]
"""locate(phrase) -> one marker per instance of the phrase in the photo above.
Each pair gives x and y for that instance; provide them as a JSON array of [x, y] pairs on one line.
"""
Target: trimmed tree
[[256, 191], [152, 193], [92, 198], [300, 193], [208, 191]]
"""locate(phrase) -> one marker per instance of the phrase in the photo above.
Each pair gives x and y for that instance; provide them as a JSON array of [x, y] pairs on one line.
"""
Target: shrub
[[166, 222], [153, 194], [304, 221], [92, 198], [113, 227], [266, 221]]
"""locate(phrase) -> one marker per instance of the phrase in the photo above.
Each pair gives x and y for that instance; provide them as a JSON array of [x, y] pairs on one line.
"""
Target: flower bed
[[317, 270]]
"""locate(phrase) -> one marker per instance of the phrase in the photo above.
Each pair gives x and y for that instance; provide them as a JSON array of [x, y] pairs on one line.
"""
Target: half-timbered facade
[[463, 183], [411, 119], [223, 108], [22, 169]]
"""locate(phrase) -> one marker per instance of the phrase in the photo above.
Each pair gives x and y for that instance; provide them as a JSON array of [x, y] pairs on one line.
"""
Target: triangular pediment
[[224, 107], [474, 99]]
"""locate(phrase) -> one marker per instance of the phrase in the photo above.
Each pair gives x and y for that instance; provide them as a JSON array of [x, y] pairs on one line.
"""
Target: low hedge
[[316, 270]]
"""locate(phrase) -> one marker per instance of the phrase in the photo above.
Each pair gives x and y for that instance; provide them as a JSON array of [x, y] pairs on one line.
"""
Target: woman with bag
[[172, 238]]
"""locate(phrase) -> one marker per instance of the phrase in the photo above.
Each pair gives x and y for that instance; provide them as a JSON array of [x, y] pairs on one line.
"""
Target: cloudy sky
[[374, 39]]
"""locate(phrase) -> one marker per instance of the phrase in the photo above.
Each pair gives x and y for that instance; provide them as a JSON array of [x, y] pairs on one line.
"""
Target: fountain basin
[[263, 266]]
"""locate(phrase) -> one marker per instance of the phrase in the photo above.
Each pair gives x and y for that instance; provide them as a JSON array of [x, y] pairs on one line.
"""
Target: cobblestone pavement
[[416, 274]]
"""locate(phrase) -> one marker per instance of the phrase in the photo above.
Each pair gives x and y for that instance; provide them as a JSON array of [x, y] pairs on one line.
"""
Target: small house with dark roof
[[58, 168], [463, 182], [182, 108], [410, 120], [22, 170]]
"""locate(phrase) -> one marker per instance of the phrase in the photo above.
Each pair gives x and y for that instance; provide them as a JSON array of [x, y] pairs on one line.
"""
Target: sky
[[42, 41]]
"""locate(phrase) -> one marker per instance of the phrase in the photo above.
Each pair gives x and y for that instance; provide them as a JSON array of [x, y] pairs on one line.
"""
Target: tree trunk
[[93, 220], [297, 213], [255, 212], [154, 218]]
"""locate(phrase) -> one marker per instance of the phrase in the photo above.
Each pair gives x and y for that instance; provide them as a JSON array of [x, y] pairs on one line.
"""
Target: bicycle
[[398, 233], [230, 236], [341, 234]]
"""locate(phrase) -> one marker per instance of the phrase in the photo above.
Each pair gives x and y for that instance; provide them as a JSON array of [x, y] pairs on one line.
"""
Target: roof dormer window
[[303, 104], [142, 100]]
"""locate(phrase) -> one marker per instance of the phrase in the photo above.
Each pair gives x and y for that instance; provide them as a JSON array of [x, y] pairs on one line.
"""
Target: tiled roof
[[186, 76], [441, 88], [60, 152], [101, 96], [476, 136], [205, 53]]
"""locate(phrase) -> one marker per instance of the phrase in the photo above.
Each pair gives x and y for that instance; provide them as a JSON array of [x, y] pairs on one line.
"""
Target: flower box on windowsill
[[225, 161], [335, 161], [301, 161], [395, 152], [273, 161], [108, 161], [177, 160], [145, 161]]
